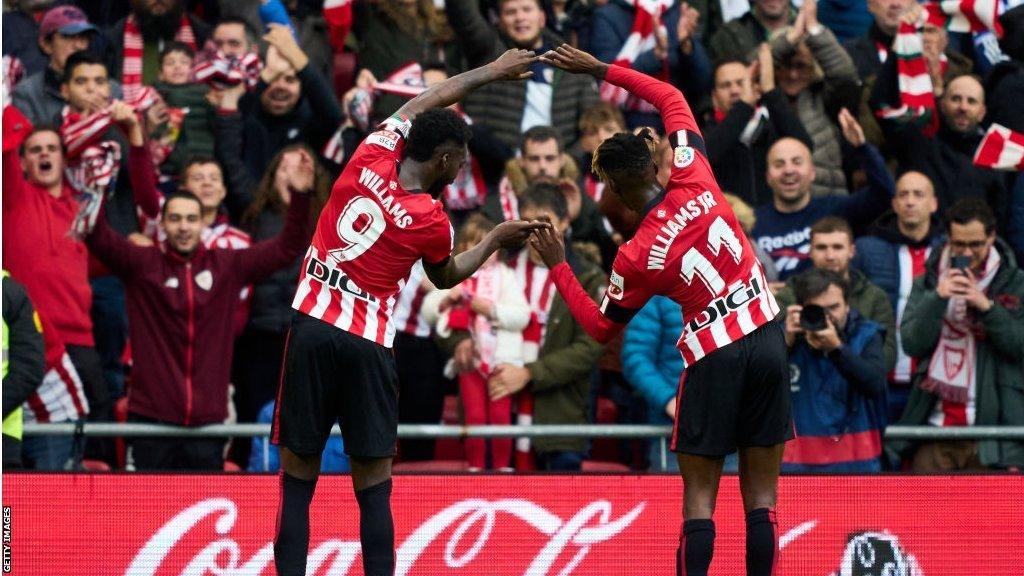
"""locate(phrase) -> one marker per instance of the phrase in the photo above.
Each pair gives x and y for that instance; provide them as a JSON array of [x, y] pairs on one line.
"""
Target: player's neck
[[412, 175]]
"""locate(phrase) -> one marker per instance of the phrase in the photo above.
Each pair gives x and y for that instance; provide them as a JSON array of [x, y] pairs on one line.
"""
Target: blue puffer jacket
[[877, 253], [650, 360]]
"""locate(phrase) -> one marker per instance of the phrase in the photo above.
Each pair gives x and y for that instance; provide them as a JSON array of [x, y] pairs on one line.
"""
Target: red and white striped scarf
[[508, 199], [539, 289], [12, 74], [221, 71], [952, 368], [93, 163], [1001, 149], [917, 97], [646, 23], [131, 66], [61, 396], [406, 81], [911, 266], [965, 16]]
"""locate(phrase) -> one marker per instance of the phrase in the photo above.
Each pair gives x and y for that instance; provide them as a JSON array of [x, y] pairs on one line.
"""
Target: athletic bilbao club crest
[[953, 361]]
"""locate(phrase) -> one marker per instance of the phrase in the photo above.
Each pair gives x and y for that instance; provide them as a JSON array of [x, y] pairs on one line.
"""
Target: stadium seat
[[230, 466], [95, 466]]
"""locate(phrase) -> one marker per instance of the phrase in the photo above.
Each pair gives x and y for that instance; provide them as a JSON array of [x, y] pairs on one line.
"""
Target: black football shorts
[[735, 397], [330, 375]]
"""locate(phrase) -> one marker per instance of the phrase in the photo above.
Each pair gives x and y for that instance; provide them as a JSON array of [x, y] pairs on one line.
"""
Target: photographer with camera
[[965, 325], [837, 379]]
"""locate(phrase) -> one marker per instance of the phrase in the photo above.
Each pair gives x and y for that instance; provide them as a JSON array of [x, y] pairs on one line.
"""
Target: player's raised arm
[[514, 64], [601, 328], [511, 234], [675, 112]]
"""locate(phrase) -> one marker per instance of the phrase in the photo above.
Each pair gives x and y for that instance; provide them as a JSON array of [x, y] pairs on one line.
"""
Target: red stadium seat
[[95, 466], [605, 449]]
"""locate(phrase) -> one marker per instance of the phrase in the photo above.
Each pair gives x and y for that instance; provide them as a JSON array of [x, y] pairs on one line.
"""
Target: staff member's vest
[[13, 423]]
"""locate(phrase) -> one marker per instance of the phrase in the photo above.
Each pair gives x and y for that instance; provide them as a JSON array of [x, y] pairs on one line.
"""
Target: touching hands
[[574, 60], [548, 244], [515, 64]]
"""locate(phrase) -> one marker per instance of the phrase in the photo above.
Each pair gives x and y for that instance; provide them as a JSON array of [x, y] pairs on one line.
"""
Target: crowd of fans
[[153, 226]]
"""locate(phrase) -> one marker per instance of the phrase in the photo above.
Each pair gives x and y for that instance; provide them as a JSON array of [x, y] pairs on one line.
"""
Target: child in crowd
[[490, 305], [187, 131]]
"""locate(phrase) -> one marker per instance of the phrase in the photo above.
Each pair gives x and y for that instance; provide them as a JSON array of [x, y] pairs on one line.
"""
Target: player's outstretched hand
[[574, 60], [548, 244], [515, 64], [514, 233]]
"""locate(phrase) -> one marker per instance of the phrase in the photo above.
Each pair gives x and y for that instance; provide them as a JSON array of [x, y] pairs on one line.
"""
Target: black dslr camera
[[812, 318]]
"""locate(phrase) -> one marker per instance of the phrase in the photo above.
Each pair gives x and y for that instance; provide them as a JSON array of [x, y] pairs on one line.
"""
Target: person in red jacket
[[39, 207], [182, 298]]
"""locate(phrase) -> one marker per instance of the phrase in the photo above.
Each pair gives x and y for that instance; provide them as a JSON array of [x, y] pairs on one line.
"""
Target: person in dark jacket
[[20, 33], [947, 157], [260, 348], [23, 364], [739, 37], [966, 327], [783, 227], [549, 97], [748, 116], [685, 55], [193, 135], [181, 300], [292, 103], [393, 33], [62, 32], [837, 382], [832, 249], [892, 256]]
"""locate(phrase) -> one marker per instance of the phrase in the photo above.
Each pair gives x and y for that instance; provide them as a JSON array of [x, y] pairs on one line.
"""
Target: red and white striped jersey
[[407, 316], [370, 234], [689, 245]]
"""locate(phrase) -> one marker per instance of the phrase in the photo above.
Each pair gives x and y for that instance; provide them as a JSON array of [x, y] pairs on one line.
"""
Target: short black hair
[[542, 134], [624, 153], [80, 58], [176, 46], [968, 210], [545, 195], [185, 194], [815, 281], [830, 224], [432, 129], [727, 60], [199, 160]]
